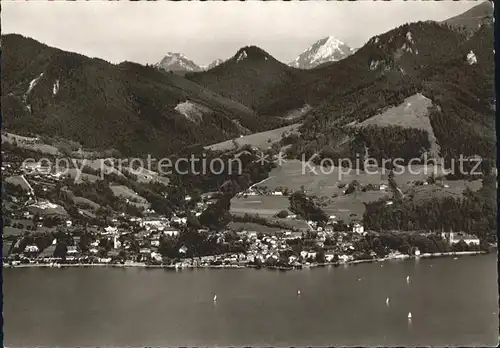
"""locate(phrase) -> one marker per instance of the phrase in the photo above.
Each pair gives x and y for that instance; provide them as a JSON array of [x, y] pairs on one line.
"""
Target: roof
[[461, 236]]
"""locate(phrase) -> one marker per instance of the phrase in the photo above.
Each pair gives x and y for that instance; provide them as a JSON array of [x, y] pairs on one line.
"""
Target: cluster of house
[[147, 239], [257, 191], [355, 225], [456, 237]]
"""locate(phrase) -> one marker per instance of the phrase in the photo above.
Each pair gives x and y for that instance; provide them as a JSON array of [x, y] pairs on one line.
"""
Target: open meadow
[[263, 205], [329, 187], [127, 193], [260, 140]]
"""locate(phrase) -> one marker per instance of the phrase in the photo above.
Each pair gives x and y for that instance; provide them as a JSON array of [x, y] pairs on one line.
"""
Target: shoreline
[[174, 267]]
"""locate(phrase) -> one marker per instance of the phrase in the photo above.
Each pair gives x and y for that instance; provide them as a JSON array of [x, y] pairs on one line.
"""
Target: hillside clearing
[[29, 143], [265, 206], [131, 197], [412, 113], [19, 181], [261, 140]]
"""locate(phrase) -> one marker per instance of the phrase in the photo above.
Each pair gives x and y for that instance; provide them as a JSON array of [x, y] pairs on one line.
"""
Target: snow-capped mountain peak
[[214, 64], [177, 62], [328, 49]]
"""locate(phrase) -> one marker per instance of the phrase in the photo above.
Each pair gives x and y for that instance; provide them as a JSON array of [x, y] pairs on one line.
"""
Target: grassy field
[[18, 180], [58, 210], [146, 176], [324, 182], [455, 189], [294, 224], [99, 164], [265, 206], [11, 231], [300, 225], [82, 202], [326, 187], [30, 143], [351, 207], [77, 175], [125, 192], [261, 140], [250, 226], [412, 113]]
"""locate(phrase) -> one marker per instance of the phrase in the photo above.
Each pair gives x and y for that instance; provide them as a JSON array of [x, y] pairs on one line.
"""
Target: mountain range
[[323, 51], [178, 62], [143, 109]]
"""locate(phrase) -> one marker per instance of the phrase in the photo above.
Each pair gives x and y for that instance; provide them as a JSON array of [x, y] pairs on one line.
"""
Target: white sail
[[387, 301], [409, 315], [408, 279], [215, 298]]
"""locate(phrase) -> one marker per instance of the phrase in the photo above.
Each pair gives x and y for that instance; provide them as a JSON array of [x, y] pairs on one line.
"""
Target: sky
[[144, 32]]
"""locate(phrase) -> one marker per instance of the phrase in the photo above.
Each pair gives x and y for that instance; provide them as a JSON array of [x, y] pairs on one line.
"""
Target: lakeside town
[[39, 232]]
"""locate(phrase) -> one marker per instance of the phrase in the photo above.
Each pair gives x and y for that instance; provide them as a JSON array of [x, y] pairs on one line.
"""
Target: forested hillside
[[424, 57], [133, 108], [256, 79]]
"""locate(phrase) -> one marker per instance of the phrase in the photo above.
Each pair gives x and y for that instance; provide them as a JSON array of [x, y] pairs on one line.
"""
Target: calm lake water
[[453, 302]]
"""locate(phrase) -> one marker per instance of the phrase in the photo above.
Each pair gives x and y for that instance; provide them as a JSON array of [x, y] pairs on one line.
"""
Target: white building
[[110, 230], [31, 249], [72, 250], [180, 221], [471, 58], [116, 242], [454, 238], [312, 255], [145, 251], [153, 223], [358, 228]]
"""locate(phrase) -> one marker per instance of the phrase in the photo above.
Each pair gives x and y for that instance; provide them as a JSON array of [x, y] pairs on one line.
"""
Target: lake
[[453, 302]]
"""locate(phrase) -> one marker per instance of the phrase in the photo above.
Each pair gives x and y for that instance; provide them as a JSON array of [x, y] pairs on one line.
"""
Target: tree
[[61, 250], [282, 214], [217, 215], [192, 221], [106, 244], [320, 256], [431, 180], [84, 243]]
